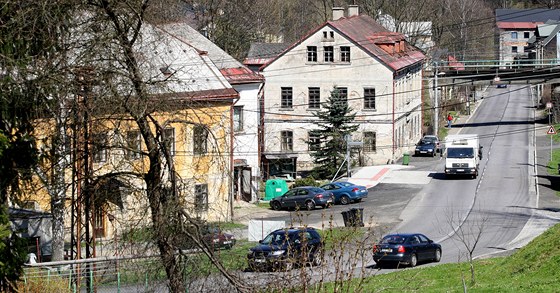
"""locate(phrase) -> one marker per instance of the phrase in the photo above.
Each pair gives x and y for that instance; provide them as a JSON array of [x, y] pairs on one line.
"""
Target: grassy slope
[[534, 268]]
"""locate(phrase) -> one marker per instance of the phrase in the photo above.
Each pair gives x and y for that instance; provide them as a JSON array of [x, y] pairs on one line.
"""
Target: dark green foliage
[[12, 253], [308, 181], [334, 123]]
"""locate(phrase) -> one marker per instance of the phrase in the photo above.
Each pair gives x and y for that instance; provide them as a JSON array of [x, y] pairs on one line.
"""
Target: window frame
[[514, 49], [345, 54], [133, 145], [286, 97], [526, 35], [99, 147], [238, 118], [369, 139], [342, 92], [514, 35], [286, 140], [200, 139], [369, 99], [328, 54], [312, 54], [201, 197], [168, 139], [314, 98], [314, 141]]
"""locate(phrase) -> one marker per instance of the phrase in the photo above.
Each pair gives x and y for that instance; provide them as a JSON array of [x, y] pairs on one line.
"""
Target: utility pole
[[436, 98]]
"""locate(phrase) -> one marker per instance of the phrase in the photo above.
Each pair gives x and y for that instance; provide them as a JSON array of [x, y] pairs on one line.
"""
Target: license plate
[[460, 170], [423, 152], [260, 260], [227, 242], [386, 250]]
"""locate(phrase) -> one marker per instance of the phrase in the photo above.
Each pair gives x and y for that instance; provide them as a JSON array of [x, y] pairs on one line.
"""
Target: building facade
[[378, 72]]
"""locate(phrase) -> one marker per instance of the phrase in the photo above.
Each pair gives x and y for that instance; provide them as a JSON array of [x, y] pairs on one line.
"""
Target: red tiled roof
[[369, 35], [517, 25], [241, 75]]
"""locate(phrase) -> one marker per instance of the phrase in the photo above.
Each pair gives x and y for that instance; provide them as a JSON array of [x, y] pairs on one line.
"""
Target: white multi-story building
[[246, 116], [377, 70]]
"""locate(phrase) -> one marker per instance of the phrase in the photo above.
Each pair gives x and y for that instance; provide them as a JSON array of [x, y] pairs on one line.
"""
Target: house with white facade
[[417, 33], [516, 27], [376, 69], [246, 116]]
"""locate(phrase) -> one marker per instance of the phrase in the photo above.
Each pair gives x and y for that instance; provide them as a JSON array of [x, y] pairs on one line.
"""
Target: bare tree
[[468, 233]]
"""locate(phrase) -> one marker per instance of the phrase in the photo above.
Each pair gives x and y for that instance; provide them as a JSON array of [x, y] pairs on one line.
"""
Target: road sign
[[551, 130]]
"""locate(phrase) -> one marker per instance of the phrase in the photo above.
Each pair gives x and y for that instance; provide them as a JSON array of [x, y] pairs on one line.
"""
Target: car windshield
[[393, 239], [430, 138], [460, 153], [274, 238], [425, 142]]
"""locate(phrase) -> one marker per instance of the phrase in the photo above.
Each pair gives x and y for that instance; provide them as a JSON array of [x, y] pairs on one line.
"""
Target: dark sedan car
[[304, 196], [213, 236], [426, 147], [407, 249], [284, 248], [346, 192]]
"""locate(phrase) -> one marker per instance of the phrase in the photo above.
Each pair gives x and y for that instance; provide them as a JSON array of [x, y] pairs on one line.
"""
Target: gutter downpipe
[[393, 148]]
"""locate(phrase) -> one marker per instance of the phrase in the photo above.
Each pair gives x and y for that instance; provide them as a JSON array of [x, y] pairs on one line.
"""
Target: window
[[286, 98], [514, 35], [341, 95], [238, 118], [526, 35], [344, 54], [169, 140], [99, 222], [314, 98], [133, 145], [200, 137], [325, 35], [201, 197], [369, 98], [332, 35], [311, 54], [314, 142], [514, 49], [99, 147], [287, 141], [329, 53], [369, 142]]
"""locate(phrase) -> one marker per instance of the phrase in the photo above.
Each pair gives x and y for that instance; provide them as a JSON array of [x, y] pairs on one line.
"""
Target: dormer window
[[328, 36]]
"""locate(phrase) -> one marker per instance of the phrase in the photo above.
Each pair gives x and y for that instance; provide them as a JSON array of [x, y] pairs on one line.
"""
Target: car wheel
[[437, 256], [309, 205], [344, 199], [413, 260], [276, 206]]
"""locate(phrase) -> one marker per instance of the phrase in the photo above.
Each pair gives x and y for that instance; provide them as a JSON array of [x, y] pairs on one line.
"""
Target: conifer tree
[[328, 146]]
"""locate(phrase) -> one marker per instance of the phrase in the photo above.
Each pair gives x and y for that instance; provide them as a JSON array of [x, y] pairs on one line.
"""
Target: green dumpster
[[274, 188], [405, 159]]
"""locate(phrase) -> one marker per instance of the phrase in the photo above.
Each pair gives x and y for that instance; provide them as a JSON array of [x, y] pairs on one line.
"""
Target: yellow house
[[106, 155]]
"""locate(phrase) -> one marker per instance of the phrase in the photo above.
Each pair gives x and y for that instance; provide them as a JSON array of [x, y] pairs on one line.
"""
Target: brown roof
[[389, 47]]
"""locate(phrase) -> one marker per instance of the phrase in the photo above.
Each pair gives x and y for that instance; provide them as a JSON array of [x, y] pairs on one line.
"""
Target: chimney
[[353, 10], [337, 13]]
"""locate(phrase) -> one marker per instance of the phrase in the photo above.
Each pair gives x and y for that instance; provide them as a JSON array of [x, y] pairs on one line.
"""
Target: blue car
[[346, 192]]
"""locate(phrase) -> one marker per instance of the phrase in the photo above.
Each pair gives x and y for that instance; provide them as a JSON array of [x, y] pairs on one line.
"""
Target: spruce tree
[[328, 149]]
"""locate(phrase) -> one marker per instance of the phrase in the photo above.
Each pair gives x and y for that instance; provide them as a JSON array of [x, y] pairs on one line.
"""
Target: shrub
[[308, 181]]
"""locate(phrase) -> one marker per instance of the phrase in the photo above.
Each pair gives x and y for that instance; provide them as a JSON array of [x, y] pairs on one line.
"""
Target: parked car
[[435, 139], [304, 196], [407, 249], [285, 248], [213, 236], [501, 86], [425, 147], [346, 192]]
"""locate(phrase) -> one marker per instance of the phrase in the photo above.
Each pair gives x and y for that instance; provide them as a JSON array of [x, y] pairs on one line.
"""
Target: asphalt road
[[491, 210]]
